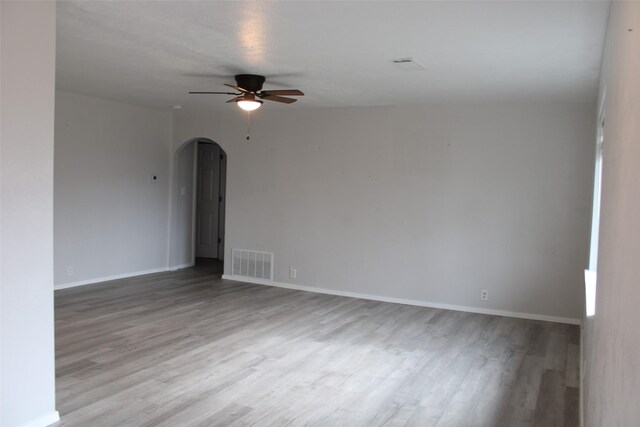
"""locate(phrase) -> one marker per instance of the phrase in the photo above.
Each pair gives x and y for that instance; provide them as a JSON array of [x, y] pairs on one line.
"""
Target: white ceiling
[[338, 53]]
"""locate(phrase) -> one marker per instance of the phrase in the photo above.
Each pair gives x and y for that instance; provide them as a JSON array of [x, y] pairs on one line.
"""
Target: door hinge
[[219, 198], [219, 240], [221, 156]]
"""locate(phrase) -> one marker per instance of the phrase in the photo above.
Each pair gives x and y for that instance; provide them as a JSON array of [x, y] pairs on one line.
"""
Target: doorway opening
[[199, 205], [209, 208]]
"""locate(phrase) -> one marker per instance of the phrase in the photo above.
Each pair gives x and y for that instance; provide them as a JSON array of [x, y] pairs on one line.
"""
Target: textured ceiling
[[338, 53]]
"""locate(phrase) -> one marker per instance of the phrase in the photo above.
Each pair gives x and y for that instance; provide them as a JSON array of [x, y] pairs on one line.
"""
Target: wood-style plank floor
[[189, 349]]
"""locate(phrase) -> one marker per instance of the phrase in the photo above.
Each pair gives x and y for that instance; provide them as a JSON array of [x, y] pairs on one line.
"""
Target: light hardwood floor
[[189, 349]]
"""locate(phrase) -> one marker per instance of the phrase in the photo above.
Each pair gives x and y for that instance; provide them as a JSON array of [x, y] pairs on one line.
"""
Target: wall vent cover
[[252, 264]]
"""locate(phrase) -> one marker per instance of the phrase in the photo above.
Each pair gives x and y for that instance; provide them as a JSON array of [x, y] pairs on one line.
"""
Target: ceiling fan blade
[[237, 88], [214, 93], [237, 98], [293, 92], [279, 99]]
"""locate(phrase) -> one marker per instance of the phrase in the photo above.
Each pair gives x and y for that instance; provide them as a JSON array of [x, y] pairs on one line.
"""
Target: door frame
[[176, 260], [194, 200]]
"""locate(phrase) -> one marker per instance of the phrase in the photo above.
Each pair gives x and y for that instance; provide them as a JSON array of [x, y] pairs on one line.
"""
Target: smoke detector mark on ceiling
[[408, 64]]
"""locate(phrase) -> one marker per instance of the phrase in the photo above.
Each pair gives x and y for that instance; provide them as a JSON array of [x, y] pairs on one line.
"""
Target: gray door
[[223, 198], [208, 202]]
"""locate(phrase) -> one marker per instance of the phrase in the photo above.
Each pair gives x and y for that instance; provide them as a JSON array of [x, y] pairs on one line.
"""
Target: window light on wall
[[591, 275]]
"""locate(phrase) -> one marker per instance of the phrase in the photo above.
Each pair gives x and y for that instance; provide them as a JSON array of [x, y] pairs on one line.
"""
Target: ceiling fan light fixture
[[249, 94], [249, 104]]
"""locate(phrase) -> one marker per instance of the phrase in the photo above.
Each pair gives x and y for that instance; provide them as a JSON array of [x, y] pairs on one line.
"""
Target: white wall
[[26, 213], [110, 218], [431, 204], [612, 341]]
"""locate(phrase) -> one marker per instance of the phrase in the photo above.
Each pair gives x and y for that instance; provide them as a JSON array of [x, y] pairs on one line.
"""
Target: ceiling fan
[[249, 93]]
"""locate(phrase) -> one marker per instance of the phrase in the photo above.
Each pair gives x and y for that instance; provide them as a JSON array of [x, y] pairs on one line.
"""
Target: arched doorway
[[199, 205]]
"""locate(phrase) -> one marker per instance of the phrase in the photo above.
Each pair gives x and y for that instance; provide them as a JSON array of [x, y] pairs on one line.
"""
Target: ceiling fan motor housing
[[250, 82]]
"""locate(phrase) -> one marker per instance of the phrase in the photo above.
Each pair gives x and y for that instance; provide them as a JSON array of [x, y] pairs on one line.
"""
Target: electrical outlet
[[484, 295], [292, 273], [70, 270]]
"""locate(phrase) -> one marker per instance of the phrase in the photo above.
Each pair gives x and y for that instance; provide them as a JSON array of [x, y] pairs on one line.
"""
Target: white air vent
[[408, 64], [253, 264]]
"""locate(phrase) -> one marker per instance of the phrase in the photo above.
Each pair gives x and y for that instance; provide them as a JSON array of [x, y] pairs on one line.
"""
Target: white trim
[[419, 303], [171, 217], [582, 374], [43, 421], [590, 285], [181, 266], [108, 278]]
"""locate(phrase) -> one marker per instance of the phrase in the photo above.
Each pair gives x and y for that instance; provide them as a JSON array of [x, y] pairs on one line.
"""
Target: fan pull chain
[[248, 125]]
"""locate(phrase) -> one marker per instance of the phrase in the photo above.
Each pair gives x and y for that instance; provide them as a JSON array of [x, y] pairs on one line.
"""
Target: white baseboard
[[181, 266], [43, 421], [108, 278], [419, 303]]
